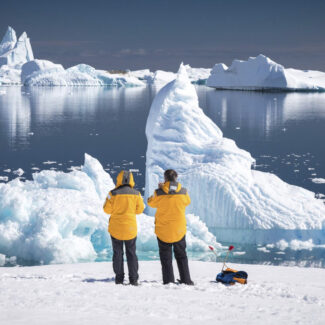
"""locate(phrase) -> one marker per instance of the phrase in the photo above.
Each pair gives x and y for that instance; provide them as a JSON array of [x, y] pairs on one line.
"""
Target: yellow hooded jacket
[[170, 200], [123, 203]]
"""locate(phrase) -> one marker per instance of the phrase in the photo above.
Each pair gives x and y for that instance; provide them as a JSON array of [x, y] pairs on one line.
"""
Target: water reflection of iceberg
[[258, 113], [15, 118], [294, 106], [44, 108]]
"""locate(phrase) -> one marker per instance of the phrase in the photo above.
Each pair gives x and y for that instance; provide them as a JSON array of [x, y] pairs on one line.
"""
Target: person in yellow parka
[[170, 200], [123, 203]]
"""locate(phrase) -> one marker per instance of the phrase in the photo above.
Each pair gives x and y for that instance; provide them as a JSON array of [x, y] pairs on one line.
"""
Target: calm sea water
[[283, 131]]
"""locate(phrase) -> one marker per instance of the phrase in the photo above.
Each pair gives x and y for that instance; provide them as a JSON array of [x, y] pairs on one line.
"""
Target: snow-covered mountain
[[261, 73], [240, 204]]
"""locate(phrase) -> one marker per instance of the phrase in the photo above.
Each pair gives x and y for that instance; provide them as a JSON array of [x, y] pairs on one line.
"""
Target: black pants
[[166, 259], [131, 256]]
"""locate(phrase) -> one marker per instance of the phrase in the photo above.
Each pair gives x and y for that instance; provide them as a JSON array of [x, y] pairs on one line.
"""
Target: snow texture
[[237, 203], [261, 73], [86, 294], [58, 218]]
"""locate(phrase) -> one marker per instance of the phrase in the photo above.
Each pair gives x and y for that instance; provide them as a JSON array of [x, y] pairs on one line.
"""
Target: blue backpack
[[230, 276]]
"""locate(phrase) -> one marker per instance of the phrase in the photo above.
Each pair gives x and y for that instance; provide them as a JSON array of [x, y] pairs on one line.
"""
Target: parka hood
[[125, 178], [170, 187]]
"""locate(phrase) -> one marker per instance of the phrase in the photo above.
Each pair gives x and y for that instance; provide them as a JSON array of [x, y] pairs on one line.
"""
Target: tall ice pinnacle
[[15, 53], [239, 203]]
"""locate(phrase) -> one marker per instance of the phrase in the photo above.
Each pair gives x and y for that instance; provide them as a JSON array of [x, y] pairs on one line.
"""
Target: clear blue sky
[[161, 33]]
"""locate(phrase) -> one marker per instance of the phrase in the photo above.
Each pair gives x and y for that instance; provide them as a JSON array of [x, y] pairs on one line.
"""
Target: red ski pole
[[230, 248], [214, 252]]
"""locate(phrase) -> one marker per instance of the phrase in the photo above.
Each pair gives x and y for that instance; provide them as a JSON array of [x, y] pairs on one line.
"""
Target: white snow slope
[[86, 294], [58, 218], [261, 73], [239, 204]]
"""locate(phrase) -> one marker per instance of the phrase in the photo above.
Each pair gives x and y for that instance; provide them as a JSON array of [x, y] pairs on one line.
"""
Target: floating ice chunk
[[19, 172], [4, 178], [263, 249], [318, 180], [7, 170], [49, 162], [238, 203], [261, 73], [296, 244]]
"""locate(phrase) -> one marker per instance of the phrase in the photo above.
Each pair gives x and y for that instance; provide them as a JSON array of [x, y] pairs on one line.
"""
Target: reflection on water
[[283, 132]]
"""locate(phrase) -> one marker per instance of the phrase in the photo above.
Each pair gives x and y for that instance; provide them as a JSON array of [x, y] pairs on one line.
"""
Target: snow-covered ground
[[86, 294], [261, 73], [242, 205]]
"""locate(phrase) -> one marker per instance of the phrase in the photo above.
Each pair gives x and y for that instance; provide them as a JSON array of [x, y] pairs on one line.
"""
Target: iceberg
[[160, 78], [46, 73], [17, 66], [58, 218], [15, 52], [237, 204], [261, 73]]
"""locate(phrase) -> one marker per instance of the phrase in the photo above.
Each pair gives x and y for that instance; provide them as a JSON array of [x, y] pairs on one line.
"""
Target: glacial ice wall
[[58, 218], [239, 204]]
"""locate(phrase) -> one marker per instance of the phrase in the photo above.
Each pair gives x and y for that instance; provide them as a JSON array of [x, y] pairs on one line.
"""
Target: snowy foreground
[[86, 294]]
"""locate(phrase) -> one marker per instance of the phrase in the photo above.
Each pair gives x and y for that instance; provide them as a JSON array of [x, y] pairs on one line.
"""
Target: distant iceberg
[[261, 73], [239, 204], [15, 52], [18, 67], [58, 218], [46, 73], [160, 78]]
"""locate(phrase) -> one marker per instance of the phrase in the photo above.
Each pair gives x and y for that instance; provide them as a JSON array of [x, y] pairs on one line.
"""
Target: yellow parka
[[170, 200], [123, 203]]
